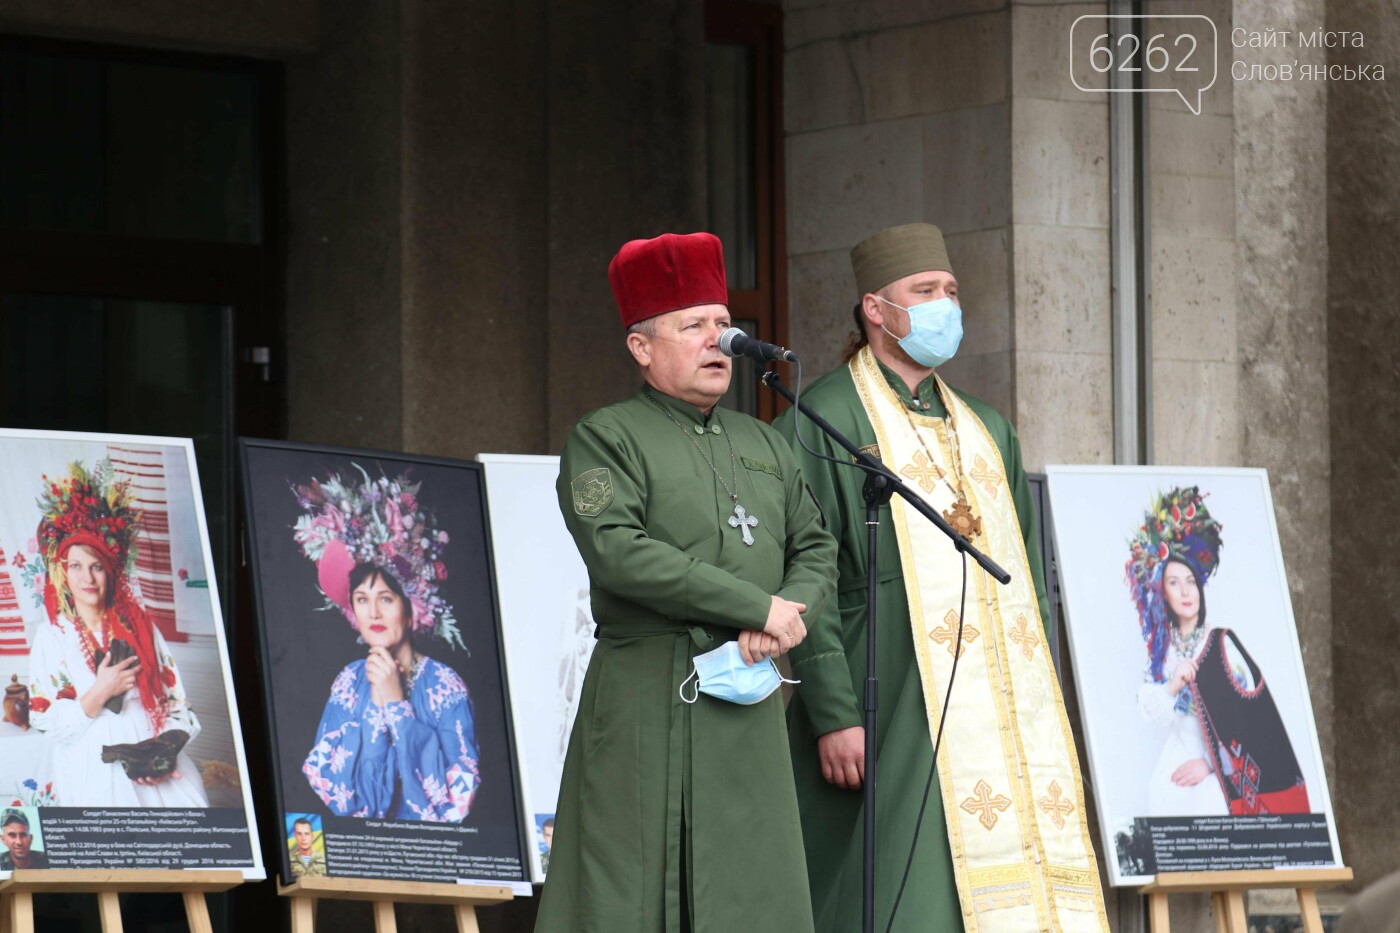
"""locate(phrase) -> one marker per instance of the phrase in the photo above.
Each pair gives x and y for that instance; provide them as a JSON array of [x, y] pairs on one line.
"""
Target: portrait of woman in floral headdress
[[397, 738], [1226, 750], [103, 685]]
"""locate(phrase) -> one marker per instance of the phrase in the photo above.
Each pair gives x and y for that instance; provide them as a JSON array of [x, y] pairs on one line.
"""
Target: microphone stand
[[880, 485]]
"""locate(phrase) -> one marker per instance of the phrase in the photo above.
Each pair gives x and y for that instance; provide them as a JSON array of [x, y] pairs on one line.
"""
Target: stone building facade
[[458, 174]]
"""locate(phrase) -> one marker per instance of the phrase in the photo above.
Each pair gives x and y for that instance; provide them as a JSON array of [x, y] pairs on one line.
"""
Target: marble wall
[[1363, 394]]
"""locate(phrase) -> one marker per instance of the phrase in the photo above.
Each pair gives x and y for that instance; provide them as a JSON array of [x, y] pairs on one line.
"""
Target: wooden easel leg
[[1158, 920], [466, 919], [19, 913], [384, 917], [1307, 906], [1235, 919], [197, 912], [303, 914], [109, 909], [1221, 911]]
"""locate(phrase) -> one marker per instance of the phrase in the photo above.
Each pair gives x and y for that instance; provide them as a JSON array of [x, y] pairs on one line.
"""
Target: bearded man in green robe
[[1006, 797], [697, 530]]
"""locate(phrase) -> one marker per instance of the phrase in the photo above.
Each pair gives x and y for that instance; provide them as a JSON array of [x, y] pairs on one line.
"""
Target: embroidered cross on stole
[[1015, 807]]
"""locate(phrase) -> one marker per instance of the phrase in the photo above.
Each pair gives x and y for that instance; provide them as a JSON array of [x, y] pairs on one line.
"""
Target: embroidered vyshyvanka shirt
[[415, 759]]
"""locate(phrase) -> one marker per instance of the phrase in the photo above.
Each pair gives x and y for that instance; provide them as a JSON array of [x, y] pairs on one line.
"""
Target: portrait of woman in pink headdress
[[397, 739]]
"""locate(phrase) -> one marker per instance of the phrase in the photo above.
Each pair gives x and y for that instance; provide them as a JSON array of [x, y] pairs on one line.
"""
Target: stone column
[[1195, 334], [626, 161], [344, 231], [1363, 346], [1061, 280], [1282, 249], [897, 113], [474, 372]]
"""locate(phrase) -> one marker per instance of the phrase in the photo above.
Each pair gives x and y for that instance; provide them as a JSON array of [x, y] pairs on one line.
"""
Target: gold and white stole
[[1011, 787]]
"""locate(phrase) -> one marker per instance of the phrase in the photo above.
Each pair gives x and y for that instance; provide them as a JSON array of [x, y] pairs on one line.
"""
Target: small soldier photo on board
[[385, 684]]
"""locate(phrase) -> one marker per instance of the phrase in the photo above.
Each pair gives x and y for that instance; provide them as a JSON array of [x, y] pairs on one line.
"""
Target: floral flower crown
[[1178, 525], [377, 522], [88, 508]]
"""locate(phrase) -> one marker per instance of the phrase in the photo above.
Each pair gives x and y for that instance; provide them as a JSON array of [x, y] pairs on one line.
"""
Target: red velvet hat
[[672, 271]]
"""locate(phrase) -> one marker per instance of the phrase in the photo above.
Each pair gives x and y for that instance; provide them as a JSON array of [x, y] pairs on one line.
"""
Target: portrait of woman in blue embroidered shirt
[[397, 739]]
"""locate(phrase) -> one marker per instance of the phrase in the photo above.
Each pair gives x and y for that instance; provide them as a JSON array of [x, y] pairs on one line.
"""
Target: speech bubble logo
[[1178, 49]]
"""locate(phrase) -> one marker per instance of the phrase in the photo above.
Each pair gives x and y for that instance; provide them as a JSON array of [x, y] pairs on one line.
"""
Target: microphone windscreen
[[726, 341]]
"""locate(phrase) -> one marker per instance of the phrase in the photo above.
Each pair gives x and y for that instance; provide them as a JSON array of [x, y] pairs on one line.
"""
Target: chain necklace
[[1186, 645], [960, 515], [740, 519]]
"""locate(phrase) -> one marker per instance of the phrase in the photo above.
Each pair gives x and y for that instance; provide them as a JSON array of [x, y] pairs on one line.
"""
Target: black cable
[[933, 768], [797, 426]]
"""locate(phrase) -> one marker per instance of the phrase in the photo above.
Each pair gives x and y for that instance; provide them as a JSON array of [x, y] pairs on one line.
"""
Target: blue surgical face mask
[[935, 330], [723, 674]]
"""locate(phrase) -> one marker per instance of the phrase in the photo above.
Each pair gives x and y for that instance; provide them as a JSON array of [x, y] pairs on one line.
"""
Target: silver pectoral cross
[[743, 521]]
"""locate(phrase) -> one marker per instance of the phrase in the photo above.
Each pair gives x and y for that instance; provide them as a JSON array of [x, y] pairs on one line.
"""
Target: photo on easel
[[1197, 713], [385, 683], [547, 621], [120, 744]]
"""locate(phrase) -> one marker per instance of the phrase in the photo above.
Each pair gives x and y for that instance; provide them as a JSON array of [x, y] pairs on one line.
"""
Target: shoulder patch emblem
[[593, 492], [762, 466]]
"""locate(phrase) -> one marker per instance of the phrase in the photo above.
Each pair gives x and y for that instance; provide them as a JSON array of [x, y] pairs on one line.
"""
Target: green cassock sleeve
[[810, 554], [625, 560], [820, 661]]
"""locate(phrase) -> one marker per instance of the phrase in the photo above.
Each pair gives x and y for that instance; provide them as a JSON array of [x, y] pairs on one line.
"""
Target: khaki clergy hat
[[899, 251]]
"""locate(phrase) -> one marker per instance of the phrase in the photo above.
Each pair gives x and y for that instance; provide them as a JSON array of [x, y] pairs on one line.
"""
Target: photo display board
[[548, 625], [386, 688], [120, 744], [1200, 730]]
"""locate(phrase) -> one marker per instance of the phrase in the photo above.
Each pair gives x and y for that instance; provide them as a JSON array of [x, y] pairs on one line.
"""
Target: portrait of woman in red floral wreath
[[103, 685], [1226, 749]]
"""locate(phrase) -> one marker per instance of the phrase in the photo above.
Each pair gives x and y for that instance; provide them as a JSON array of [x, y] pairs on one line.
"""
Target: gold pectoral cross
[[961, 519]]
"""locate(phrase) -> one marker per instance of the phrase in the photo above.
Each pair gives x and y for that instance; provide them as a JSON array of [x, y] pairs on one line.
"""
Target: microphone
[[734, 342]]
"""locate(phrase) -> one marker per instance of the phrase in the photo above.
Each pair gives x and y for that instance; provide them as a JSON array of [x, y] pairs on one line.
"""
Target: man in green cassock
[[989, 798], [676, 808]]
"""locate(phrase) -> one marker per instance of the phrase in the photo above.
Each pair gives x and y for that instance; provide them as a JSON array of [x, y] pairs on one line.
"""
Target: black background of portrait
[[305, 646]]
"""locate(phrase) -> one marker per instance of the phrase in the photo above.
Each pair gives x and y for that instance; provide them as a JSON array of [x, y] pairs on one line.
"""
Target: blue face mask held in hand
[[935, 331], [723, 674]]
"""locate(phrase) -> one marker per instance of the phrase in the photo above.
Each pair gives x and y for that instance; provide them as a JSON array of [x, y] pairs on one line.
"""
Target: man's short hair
[[14, 816], [647, 327], [297, 822], [548, 824]]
